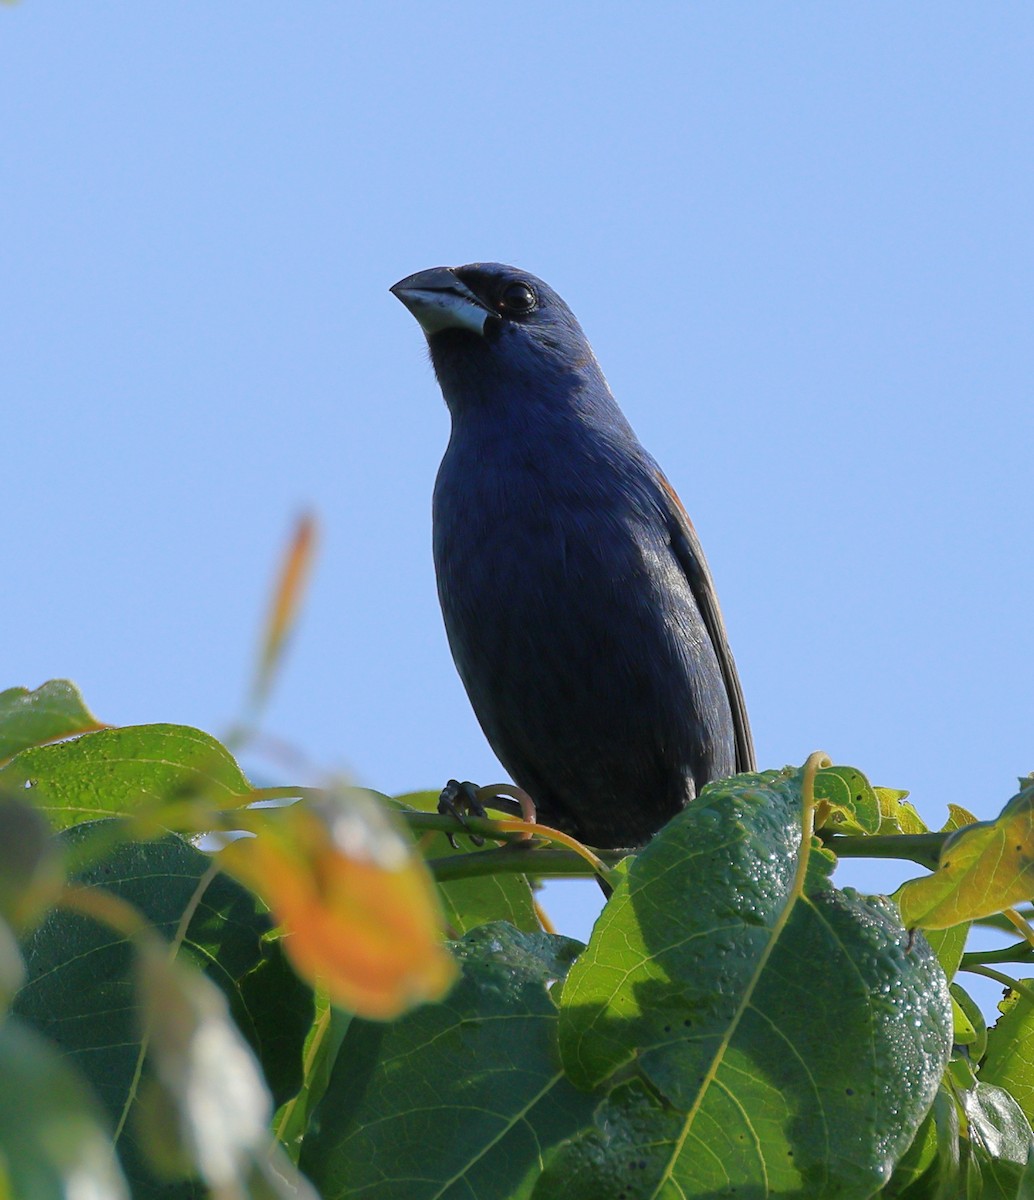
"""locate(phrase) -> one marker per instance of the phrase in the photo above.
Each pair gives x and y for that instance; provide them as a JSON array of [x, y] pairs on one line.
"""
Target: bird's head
[[499, 335]]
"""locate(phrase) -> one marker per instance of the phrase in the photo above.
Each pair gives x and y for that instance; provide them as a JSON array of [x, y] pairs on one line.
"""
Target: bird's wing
[[686, 546]]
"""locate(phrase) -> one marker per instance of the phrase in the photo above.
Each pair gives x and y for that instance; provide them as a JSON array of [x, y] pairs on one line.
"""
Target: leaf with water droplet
[[139, 770], [456, 1100], [772, 1016]]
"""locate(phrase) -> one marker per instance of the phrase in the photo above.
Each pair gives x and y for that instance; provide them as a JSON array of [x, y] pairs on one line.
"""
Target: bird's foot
[[466, 799], [460, 800]]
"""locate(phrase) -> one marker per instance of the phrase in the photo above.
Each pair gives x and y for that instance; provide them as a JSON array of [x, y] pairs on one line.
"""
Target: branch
[[1018, 952], [921, 848], [1015, 985], [483, 827], [518, 860]]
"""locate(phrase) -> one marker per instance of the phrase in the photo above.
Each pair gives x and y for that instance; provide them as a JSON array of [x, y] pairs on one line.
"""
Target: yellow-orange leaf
[[359, 910], [287, 598], [984, 868]]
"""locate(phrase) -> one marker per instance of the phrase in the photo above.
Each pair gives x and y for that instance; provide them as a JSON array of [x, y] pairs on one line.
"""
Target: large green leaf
[[55, 710], [116, 772], [53, 1143], [459, 1099], [80, 989], [790, 1036], [472, 902]]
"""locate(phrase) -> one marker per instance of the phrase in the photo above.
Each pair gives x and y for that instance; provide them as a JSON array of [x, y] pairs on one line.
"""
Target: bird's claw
[[460, 800]]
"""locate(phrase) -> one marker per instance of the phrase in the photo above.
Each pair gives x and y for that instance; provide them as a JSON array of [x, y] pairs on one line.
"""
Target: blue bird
[[579, 608]]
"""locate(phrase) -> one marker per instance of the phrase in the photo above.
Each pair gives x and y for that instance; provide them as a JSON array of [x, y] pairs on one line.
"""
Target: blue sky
[[799, 237]]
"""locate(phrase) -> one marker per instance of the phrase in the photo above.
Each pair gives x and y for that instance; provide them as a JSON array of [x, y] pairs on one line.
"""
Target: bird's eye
[[517, 298]]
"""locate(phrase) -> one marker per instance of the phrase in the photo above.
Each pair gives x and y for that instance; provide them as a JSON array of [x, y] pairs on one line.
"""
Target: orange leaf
[[359, 911]]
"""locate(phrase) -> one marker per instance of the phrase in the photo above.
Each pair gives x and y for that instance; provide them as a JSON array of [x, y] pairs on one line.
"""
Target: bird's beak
[[439, 301]]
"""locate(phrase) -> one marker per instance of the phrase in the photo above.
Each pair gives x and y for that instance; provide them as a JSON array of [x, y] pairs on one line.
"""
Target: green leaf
[[984, 868], [458, 1099], [119, 771], [997, 1156], [854, 805], [55, 710], [930, 1168], [896, 815], [53, 1140], [949, 945], [970, 1029], [958, 818], [468, 903], [769, 1012], [628, 1153], [80, 989], [983, 1145], [321, 1051], [922, 1157], [1009, 1062]]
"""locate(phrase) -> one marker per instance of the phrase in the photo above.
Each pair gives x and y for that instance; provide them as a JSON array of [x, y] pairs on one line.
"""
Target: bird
[[579, 609]]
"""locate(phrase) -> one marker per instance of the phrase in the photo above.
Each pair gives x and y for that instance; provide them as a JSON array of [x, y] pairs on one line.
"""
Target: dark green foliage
[[80, 990], [737, 1026]]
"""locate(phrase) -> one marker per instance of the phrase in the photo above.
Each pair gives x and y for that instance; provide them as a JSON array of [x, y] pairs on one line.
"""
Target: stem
[[191, 908], [1014, 985], [312, 1051], [1018, 952], [997, 921], [527, 828], [1020, 924], [283, 793], [815, 762], [517, 860], [481, 826], [921, 848]]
